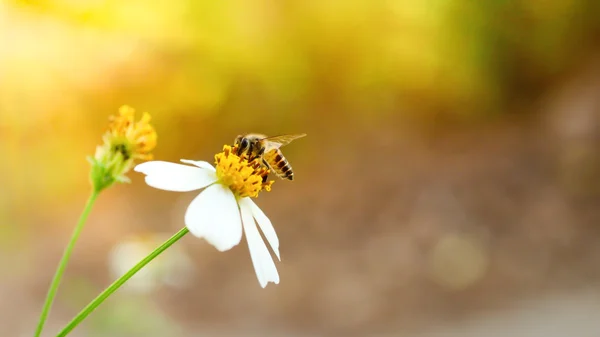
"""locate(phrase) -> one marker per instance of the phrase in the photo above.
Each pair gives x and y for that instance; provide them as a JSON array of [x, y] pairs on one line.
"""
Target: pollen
[[244, 178]]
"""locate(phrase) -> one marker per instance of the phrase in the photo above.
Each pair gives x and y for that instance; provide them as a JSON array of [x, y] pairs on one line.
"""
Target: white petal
[[261, 258], [265, 225], [175, 177], [200, 164], [214, 215]]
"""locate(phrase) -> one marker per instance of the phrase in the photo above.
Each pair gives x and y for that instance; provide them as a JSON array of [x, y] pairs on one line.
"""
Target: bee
[[255, 145]]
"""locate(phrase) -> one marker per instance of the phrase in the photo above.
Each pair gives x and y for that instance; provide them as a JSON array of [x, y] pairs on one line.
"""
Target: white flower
[[173, 269], [224, 208]]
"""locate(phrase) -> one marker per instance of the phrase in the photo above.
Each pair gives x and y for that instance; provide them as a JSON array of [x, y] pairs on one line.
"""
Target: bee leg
[[249, 151], [266, 176]]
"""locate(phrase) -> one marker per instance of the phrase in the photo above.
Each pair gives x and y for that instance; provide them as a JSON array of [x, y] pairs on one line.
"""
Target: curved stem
[[63, 263], [119, 282]]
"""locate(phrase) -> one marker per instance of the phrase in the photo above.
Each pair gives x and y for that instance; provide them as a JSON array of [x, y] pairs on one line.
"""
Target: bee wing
[[276, 142]]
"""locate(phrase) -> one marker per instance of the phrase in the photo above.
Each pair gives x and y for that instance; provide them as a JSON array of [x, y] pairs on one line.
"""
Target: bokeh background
[[449, 184]]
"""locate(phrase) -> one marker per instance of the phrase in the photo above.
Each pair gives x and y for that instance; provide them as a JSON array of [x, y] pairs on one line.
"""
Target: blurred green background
[[451, 169]]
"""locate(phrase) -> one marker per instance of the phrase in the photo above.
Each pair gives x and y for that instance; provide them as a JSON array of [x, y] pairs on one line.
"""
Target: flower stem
[[63, 262], [119, 282]]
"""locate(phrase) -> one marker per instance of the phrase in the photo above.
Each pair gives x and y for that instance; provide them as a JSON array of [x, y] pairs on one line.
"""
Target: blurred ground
[[449, 183]]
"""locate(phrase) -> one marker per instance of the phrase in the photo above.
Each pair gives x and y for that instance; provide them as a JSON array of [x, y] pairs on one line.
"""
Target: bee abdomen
[[286, 172], [280, 165]]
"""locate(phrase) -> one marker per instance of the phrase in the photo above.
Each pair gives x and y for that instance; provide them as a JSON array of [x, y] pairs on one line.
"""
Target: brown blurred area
[[449, 184]]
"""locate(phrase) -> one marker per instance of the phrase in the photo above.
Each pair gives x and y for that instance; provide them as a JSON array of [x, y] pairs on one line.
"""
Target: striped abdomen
[[278, 164]]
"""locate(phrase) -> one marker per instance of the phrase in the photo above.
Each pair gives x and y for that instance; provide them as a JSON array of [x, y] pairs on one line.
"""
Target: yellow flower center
[[244, 178], [132, 140]]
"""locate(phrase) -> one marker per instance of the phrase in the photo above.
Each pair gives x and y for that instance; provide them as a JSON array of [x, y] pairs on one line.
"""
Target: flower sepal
[[100, 175]]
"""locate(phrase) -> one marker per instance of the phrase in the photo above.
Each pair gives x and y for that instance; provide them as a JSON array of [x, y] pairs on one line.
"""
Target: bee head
[[242, 143]]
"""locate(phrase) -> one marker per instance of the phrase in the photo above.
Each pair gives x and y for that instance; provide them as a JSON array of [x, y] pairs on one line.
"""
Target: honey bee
[[266, 148]]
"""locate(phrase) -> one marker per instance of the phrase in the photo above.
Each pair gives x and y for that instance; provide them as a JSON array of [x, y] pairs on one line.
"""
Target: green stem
[[63, 262], [119, 282]]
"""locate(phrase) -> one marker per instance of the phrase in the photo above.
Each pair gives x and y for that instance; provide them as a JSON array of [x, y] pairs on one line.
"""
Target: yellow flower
[[125, 142], [135, 140], [224, 209]]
